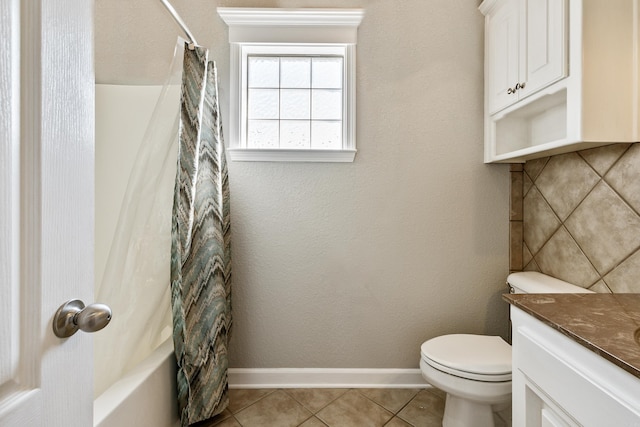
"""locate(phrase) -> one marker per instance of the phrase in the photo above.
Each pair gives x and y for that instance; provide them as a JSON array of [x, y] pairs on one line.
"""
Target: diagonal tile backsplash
[[564, 182], [581, 217], [540, 221], [605, 227]]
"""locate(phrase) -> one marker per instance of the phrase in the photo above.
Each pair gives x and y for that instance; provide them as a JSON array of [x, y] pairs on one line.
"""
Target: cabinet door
[[540, 410], [502, 54], [543, 44]]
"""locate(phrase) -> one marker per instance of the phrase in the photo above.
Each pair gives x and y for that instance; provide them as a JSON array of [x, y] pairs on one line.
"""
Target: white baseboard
[[325, 378]]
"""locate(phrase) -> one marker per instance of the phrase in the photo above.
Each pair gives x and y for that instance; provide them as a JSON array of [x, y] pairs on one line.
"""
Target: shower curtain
[[200, 251]]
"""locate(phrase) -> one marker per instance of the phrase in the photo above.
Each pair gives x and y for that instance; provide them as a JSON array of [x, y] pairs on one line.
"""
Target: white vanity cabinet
[[560, 75], [558, 382]]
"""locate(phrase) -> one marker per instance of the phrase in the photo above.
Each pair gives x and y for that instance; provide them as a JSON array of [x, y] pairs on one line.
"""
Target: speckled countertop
[[607, 324]]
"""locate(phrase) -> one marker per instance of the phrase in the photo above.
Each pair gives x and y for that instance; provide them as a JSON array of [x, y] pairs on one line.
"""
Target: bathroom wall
[[577, 217], [355, 265]]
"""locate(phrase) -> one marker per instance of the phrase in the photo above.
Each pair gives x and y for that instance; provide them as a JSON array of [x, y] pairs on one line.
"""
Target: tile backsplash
[[576, 217]]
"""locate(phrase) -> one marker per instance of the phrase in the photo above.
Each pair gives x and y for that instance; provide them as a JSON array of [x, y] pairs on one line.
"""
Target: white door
[[46, 209]]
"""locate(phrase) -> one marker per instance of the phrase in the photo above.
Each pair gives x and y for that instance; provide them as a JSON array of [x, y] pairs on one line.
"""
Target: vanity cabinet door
[[543, 44], [539, 410]]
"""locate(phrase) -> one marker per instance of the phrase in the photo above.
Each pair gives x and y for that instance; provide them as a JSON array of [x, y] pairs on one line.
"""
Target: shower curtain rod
[[179, 21]]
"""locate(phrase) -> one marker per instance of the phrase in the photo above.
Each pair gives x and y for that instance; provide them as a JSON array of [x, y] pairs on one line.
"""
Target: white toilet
[[475, 370]]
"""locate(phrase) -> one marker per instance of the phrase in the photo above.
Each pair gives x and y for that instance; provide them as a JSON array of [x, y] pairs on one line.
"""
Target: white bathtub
[[146, 396]]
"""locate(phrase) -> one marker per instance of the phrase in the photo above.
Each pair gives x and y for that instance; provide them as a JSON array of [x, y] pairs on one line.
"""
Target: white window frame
[[282, 32]]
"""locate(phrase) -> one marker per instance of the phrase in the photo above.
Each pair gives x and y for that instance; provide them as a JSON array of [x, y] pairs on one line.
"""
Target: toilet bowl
[[475, 370]]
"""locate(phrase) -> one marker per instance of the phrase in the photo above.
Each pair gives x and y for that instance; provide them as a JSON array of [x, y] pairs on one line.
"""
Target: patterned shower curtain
[[200, 251]]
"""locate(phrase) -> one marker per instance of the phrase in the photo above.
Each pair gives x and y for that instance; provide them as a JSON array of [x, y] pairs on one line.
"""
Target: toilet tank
[[532, 282]]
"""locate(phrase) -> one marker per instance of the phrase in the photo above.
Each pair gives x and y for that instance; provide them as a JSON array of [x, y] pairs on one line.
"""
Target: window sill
[[279, 155]]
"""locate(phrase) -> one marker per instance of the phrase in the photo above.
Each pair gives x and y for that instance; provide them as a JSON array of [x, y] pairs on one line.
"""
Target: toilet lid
[[481, 357]]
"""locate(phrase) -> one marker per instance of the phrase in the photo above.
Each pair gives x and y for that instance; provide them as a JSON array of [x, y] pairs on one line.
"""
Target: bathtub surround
[[144, 396], [581, 217], [200, 246], [136, 152]]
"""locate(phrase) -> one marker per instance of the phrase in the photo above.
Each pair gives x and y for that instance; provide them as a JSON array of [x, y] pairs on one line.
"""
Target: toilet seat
[[475, 357]]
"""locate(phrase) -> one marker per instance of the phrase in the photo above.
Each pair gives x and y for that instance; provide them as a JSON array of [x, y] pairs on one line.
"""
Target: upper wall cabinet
[[560, 75]]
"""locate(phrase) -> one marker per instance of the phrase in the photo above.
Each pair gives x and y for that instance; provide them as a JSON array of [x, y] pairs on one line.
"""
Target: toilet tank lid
[[532, 282]]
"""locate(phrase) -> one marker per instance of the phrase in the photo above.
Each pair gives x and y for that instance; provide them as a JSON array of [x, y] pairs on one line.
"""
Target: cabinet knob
[[515, 88]]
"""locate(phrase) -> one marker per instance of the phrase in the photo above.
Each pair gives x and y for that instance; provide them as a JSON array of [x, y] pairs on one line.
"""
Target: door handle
[[73, 315]]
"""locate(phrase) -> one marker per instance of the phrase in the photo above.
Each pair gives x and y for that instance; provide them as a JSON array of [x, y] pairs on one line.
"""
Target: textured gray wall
[[354, 265]]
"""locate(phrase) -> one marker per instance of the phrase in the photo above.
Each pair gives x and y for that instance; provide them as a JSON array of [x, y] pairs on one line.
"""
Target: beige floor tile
[[313, 422], [315, 399], [397, 422], [278, 409], [215, 421], [352, 409], [229, 422], [241, 398], [225, 414], [392, 399], [426, 420], [426, 409], [437, 392]]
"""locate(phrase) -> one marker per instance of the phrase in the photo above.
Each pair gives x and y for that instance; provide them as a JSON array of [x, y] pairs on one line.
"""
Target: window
[[292, 84], [294, 102]]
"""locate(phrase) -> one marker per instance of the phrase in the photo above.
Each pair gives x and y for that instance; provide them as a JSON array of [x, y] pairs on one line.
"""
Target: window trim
[[283, 31]]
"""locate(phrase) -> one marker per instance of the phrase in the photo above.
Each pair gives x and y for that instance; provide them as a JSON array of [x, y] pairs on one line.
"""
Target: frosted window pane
[[326, 104], [326, 135], [263, 104], [295, 72], [295, 104], [327, 73], [295, 134], [264, 71], [262, 134]]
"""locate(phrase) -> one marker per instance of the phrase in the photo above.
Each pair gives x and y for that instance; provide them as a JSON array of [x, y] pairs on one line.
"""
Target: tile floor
[[332, 408]]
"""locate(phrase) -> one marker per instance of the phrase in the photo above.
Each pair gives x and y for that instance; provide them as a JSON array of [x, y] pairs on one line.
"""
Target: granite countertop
[[607, 324]]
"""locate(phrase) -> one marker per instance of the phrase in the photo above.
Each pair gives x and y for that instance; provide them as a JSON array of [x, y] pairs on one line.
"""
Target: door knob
[[73, 315]]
